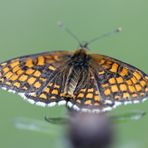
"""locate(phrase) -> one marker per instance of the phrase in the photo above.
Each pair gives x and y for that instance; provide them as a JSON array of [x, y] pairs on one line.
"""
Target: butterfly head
[[84, 45]]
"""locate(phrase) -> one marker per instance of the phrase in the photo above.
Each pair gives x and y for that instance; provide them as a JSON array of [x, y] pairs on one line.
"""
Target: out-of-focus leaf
[[34, 125], [128, 116]]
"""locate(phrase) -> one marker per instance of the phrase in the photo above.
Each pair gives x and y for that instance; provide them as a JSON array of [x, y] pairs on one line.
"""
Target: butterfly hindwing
[[87, 98], [50, 95]]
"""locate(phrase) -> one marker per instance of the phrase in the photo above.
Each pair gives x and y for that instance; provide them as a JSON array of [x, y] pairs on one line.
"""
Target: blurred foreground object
[[90, 131]]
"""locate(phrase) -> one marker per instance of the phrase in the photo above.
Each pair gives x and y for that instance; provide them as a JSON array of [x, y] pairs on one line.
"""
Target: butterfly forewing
[[120, 83], [32, 74]]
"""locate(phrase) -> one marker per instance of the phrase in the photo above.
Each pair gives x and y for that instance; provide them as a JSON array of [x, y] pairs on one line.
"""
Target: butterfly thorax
[[77, 75], [79, 58]]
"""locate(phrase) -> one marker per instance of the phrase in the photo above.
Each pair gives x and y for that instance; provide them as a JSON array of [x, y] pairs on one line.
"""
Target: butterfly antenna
[[61, 25], [119, 29]]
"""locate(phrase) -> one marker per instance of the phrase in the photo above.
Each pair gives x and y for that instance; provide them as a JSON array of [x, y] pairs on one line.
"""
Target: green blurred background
[[30, 26]]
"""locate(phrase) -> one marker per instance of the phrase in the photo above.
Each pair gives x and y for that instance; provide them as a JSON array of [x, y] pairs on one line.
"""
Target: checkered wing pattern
[[119, 83], [29, 75]]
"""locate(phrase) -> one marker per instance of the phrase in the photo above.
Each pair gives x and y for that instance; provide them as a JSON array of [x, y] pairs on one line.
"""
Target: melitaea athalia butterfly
[[82, 81]]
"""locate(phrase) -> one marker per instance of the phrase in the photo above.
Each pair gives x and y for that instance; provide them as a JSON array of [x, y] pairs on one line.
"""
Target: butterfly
[[84, 82]]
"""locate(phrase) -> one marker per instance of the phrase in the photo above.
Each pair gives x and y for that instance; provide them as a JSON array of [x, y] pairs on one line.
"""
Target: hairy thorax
[[78, 72]]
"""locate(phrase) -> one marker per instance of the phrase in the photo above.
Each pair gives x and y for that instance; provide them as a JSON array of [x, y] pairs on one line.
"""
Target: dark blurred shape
[[89, 130]]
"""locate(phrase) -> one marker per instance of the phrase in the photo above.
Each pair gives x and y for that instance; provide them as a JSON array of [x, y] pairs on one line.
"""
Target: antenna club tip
[[119, 29], [60, 24]]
